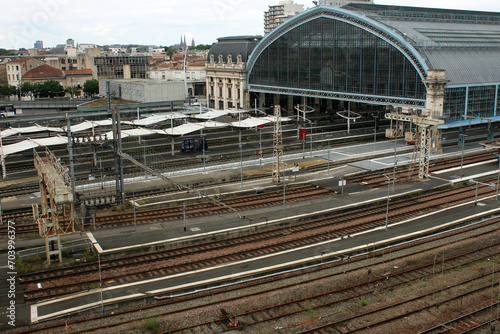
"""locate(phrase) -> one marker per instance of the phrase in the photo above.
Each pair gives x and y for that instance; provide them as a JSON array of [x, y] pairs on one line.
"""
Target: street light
[[100, 282], [498, 177], [462, 159], [492, 185], [387, 208]]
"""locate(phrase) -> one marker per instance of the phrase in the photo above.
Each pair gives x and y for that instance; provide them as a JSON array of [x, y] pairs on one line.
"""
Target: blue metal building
[[378, 54]]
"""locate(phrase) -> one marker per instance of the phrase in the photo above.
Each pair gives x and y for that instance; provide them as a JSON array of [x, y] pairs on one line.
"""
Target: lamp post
[[498, 177], [492, 185], [100, 282], [241, 160], [284, 189], [133, 204], [203, 144], [462, 159], [395, 163], [387, 207]]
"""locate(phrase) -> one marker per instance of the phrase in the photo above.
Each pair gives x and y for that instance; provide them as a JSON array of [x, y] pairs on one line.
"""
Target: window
[[325, 54]]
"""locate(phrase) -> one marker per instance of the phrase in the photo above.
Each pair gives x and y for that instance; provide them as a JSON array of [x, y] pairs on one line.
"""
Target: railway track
[[56, 283], [375, 180], [114, 219], [345, 279]]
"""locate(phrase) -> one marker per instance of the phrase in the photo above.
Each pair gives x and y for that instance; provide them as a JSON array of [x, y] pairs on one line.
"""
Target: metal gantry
[[424, 126], [57, 202], [278, 167]]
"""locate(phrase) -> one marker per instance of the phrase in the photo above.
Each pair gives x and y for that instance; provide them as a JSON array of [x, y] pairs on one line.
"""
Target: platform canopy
[[155, 119], [29, 144], [183, 129], [30, 129], [250, 122], [211, 114]]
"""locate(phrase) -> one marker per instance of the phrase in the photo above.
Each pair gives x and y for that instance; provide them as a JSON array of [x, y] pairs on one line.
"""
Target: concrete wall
[[144, 91]]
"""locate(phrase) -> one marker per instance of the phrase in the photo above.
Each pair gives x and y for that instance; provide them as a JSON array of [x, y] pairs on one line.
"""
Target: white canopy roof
[[250, 122], [28, 144], [156, 119], [29, 129], [211, 114], [184, 129], [176, 131]]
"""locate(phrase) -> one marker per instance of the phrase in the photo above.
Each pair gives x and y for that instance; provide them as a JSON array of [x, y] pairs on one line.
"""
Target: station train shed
[[432, 69]]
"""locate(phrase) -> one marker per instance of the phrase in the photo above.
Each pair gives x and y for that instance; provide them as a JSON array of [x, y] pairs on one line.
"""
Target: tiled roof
[[86, 71], [44, 71], [20, 60]]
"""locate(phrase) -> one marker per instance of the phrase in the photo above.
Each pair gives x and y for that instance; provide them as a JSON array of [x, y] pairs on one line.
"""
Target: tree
[[4, 52], [8, 90], [91, 87], [170, 51], [51, 88], [28, 87], [201, 47]]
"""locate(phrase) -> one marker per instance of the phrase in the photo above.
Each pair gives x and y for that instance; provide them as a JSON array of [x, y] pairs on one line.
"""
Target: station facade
[[385, 56]]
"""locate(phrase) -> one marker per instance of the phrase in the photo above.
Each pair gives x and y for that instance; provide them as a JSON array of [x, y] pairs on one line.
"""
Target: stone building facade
[[226, 73]]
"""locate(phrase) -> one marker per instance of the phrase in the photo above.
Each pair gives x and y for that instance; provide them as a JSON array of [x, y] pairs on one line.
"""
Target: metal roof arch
[[372, 26]]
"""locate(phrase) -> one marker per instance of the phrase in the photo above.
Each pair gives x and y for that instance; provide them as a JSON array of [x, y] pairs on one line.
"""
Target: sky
[[153, 22]]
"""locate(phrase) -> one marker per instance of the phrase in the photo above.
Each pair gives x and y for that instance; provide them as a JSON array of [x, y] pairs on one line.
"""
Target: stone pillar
[[276, 99], [290, 106], [435, 84], [224, 93]]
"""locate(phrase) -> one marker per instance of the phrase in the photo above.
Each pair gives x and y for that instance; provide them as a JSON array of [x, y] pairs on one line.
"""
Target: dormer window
[[212, 59], [221, 58], [229, 58], [238, 59]]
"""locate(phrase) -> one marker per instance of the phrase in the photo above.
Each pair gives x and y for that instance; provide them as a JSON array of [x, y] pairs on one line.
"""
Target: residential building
[[340, 3], [17, 68], [226, 74], [121, 67], [67, 79], [83, 46], [278, 14], [70, 43], [38, 45], [74, 60]]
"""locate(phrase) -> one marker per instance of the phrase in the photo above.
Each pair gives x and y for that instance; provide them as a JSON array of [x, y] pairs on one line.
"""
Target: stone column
[[435, 84]]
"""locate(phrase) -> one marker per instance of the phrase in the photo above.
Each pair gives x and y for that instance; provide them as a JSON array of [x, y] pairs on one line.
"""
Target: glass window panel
[[330, 55]]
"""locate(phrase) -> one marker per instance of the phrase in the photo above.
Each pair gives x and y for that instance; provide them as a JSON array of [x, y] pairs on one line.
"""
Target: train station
[[347, 160]]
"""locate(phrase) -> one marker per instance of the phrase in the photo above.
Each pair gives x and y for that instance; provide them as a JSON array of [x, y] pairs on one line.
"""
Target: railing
[[71, 246]]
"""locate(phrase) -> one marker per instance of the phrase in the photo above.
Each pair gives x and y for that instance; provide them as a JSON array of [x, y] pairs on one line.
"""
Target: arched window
[[221, 58], [229, 58]]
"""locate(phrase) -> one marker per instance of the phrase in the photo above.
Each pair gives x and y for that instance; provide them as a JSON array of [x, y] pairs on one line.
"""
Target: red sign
[[302, 133], [260, 127]]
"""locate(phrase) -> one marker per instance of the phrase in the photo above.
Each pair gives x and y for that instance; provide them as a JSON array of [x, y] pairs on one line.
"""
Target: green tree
[[4, 52], [28, 87], [170, 51], [91, 87], [7, 90], [51, 88], [201, 47]]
